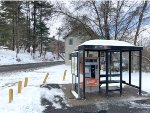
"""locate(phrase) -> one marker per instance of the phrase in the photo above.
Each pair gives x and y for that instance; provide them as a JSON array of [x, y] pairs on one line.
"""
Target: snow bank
[[8, 57]]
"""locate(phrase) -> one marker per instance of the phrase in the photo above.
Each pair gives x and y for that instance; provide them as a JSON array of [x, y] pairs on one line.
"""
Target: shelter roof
[[107, 44]]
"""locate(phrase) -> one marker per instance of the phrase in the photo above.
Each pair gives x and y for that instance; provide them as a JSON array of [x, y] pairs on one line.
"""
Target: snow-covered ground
[[134, 79], [29, 101], [8, 57]]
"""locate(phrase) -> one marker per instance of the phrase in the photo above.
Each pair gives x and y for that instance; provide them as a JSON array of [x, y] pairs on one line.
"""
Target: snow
[[106, 43], [29, 101], [8, 57], [50, 95], [144, 37], [139, 105], [74, 94], [135, 80], [3, 47]]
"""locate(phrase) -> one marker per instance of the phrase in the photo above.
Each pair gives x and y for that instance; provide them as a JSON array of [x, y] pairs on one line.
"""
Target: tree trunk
[[140, 22], [117, 17], [138, 29], [106, 26], [41, 32], [34, 28], [28, 27], [99, 19], [13, 30], [41, 50], [17, 28]]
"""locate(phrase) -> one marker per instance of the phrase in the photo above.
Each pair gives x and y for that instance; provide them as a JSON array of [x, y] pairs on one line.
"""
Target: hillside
[[8, 57]]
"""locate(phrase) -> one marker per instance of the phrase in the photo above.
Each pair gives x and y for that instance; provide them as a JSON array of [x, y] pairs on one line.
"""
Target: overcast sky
[[57, 22]]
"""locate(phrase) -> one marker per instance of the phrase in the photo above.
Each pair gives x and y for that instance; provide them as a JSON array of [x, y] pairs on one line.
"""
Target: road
[[132, 106], [16, 67]]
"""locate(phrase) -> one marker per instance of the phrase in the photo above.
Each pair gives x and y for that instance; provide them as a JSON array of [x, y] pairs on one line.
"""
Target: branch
[[99, 21], [146, 58], [61, 12], [117, 17], [140, 22]]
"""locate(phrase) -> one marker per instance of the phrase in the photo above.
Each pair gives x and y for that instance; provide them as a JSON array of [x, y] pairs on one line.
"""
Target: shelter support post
[[129, 67], [110, 64], [120, 72], [140, 71], [75, 82], [99, 68], [84, 74], [71, 63], [78, 73], [107, 72], [72, 74]]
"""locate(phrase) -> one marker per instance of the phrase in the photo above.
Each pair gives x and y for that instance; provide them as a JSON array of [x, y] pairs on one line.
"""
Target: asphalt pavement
[[129, 106], [18, 67]]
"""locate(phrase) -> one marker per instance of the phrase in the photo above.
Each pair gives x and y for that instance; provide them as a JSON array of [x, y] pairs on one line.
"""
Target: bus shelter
[[91, 57]]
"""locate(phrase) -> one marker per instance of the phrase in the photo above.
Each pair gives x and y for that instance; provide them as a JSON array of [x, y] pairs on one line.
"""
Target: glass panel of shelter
[[95, 67], [94, 62], [74, 70]]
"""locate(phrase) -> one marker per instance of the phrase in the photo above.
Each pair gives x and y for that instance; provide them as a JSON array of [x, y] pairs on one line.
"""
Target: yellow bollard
[[26, 82], [65, 73], [10, 95], [19, 86], [45, 77]]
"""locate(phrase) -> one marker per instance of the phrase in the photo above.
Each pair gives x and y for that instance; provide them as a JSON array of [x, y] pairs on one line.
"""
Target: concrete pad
[[128, 94]]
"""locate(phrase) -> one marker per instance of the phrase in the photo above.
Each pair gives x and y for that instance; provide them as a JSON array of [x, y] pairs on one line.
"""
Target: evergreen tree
[[11, 12], [5, 33], [41, 14], [23, 23]]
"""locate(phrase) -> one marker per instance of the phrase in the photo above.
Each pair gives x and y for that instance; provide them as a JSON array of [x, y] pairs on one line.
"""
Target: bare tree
[[108, 19], [119, 6], [140, 22]]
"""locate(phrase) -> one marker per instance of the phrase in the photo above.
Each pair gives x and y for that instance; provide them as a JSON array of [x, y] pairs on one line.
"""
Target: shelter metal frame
[[107, 50]]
